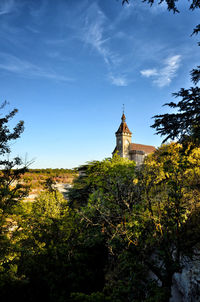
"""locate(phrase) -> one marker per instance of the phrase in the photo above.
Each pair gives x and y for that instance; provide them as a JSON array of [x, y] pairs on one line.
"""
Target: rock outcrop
[[186, 285]]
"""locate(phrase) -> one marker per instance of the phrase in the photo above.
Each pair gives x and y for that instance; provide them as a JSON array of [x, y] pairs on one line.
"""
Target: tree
[[83, 185], [11, 191], [185, 124], [171, 197], [109, 210], [55, 255], [110, 194], [146, 221], [40, 247]]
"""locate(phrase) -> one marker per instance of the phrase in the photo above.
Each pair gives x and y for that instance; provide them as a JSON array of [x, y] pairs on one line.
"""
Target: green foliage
[[11, 192], [94, 297], [147, 216], [111, 175], [6, 135], [108, 193], [171, 196], [183, 125], [53, 254], [129, 225], [50, 205], [122, 230], [121, 227]]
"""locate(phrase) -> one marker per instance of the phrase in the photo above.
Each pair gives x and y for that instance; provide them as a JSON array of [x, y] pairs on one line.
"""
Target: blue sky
[[68, 66]]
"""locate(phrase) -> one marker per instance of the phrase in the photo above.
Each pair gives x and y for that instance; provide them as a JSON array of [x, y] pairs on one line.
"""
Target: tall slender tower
[[123, 138]]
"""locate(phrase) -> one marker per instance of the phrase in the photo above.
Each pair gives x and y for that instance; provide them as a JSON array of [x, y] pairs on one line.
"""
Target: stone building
[[126, 148]]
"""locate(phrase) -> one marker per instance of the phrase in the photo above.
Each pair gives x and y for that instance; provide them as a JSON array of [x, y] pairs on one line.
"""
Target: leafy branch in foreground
[[171, 4], [185, 124]]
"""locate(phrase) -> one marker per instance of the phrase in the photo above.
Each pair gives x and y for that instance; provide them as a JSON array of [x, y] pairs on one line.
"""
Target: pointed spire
[[123, 118], [123, 128], [123, 115]]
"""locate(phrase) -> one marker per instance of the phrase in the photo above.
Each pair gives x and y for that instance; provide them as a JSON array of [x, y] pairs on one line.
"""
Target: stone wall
[[138, 157]]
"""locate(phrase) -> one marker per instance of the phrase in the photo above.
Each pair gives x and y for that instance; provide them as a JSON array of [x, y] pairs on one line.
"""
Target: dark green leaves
[[185, 123]]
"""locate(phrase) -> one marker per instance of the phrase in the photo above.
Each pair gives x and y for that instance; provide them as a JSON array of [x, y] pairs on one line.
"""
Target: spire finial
[[123, 115]]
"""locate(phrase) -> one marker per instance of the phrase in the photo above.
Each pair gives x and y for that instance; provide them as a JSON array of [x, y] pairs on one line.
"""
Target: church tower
[[125, 148], [123, 138]]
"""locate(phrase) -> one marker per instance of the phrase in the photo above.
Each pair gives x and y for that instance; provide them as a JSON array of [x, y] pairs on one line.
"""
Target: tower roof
[[123, 128], [123, 117]]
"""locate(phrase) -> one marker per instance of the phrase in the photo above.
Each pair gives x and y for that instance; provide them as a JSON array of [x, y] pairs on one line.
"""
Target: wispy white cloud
[[6, 6], [163, 76], [149, 72], [118, 80], [155, 8], [138, 9], [94, 34], [169, 71], [24, 68]]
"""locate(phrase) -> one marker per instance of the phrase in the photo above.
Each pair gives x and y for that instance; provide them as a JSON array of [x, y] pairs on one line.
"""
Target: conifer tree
[[11, 190]]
